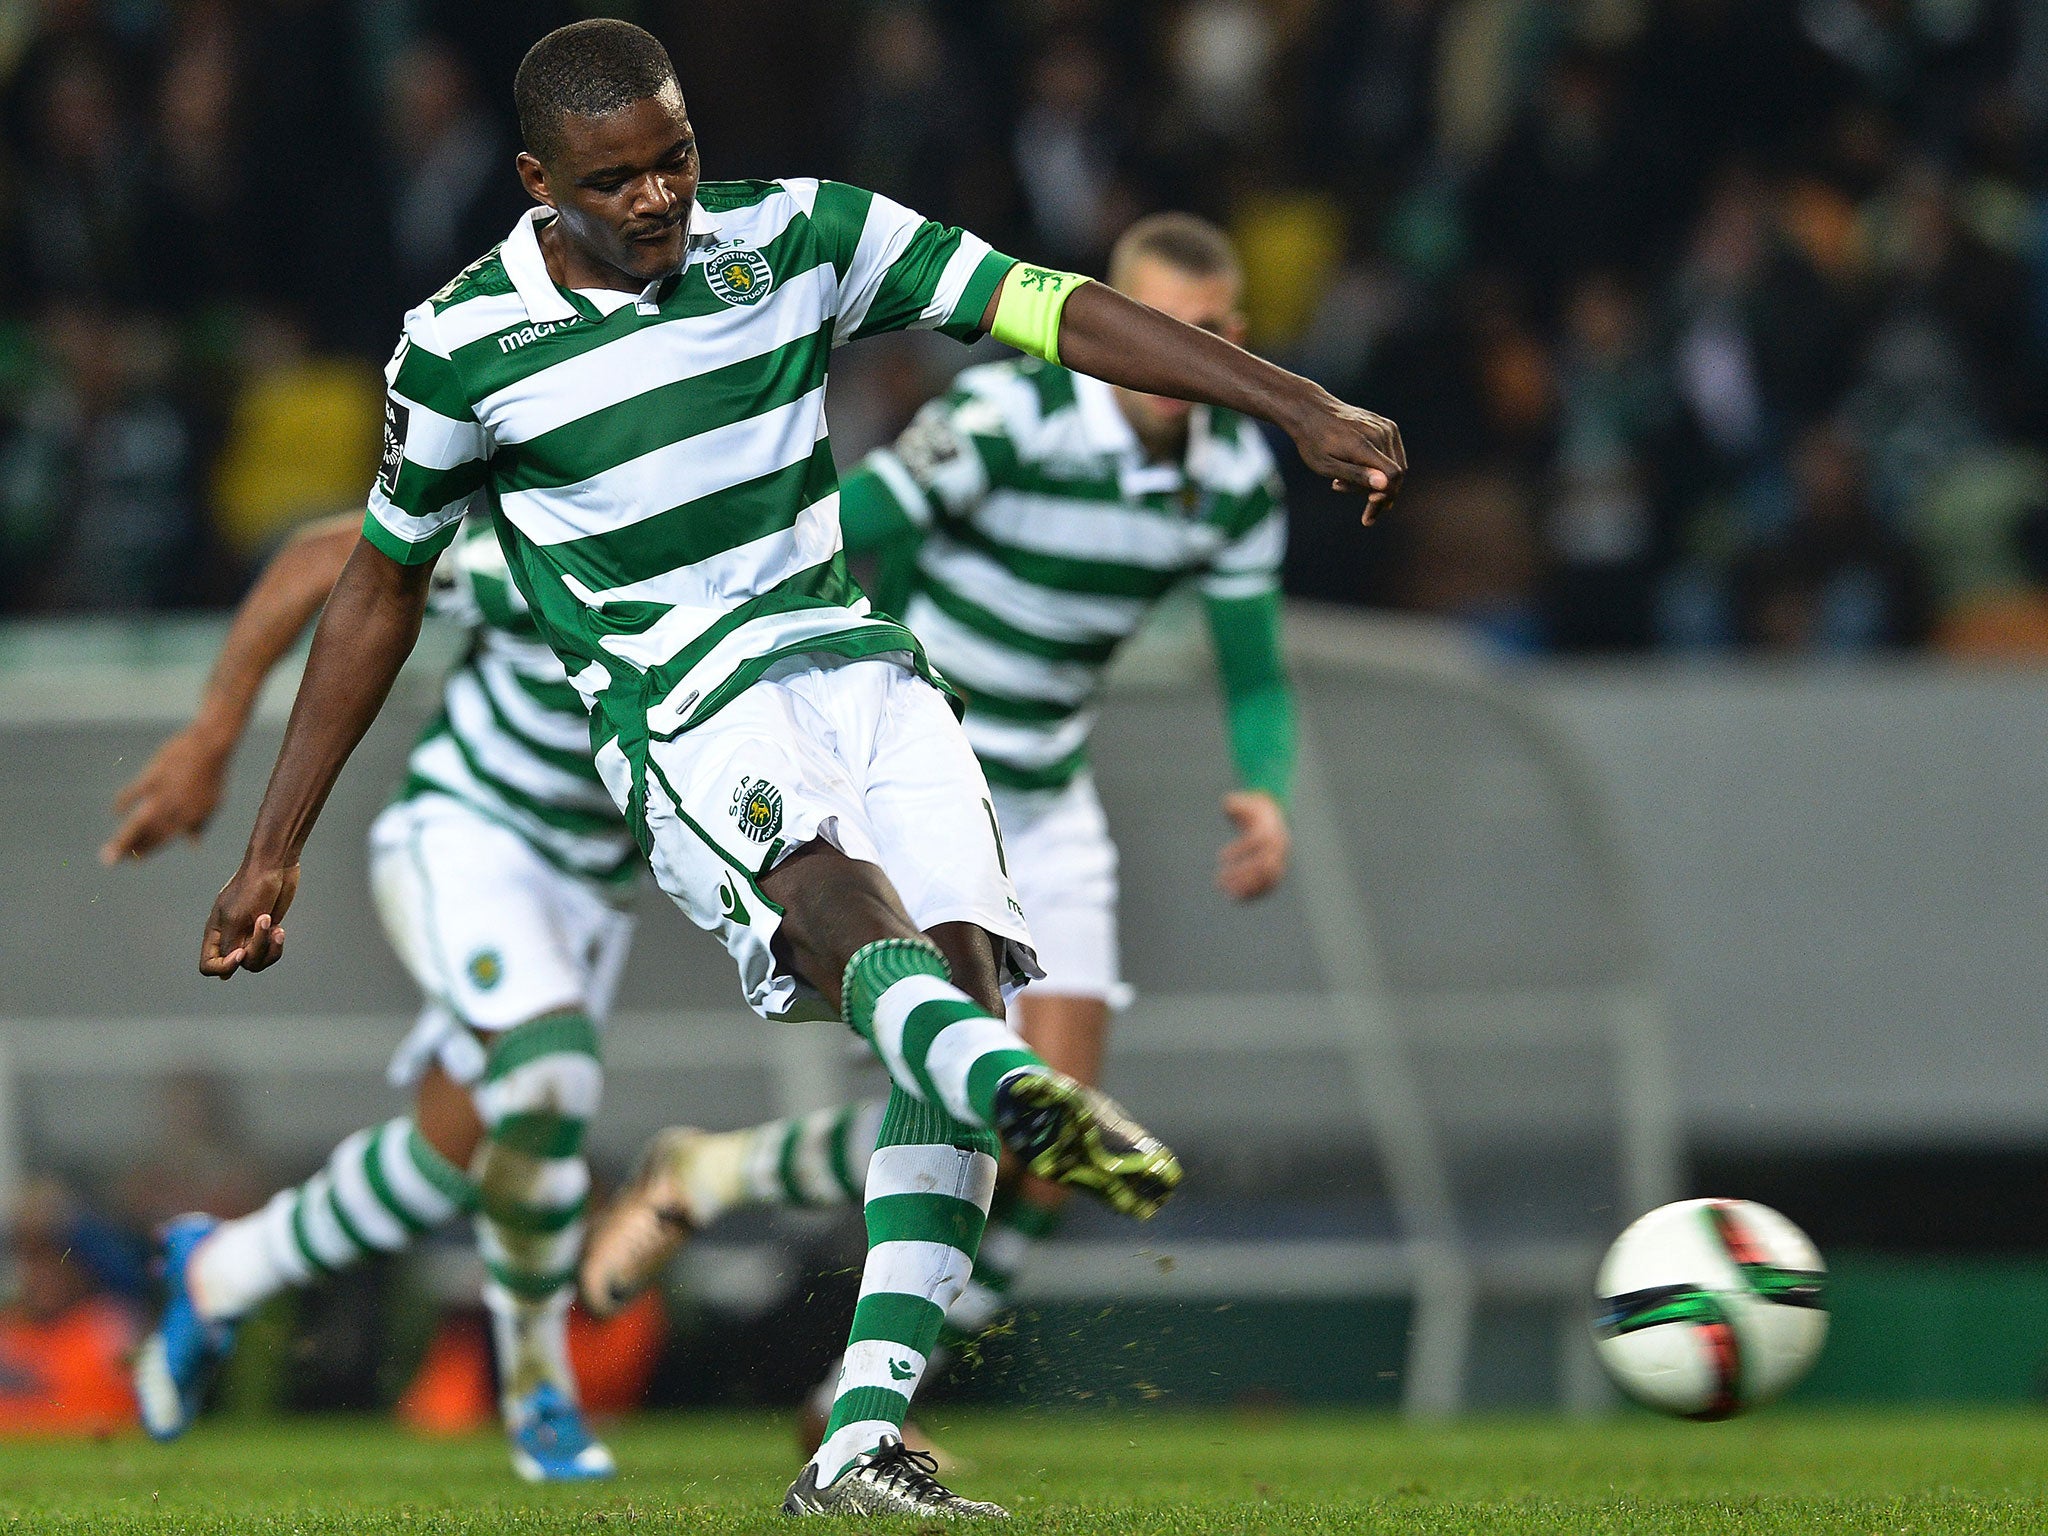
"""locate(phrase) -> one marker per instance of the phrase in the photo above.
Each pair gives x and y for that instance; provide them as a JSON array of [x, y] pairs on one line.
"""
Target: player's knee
[[832, 906], [542, 1085]]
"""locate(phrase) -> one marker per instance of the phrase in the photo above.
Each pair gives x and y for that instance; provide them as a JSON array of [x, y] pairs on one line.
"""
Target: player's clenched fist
[[246, 929], [1355, 449]]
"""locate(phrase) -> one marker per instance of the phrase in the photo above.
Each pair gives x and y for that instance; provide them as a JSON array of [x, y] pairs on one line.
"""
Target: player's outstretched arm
[[1098, 331], [372, 619], [178, 790]]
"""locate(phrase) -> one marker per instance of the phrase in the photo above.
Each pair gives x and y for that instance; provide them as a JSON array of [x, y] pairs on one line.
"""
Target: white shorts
[[1064, 863], [493, 933], [864, 754]]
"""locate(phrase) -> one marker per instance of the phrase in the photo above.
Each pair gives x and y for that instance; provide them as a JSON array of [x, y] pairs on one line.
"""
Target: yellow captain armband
[[1028, 309]]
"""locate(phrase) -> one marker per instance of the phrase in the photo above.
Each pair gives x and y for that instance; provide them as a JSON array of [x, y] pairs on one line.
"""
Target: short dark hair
[[1182, 241], [588, 68]]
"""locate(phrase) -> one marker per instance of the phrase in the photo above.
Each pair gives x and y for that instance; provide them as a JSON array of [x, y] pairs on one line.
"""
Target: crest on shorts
[[738, 274], [486, 969], [757, 807]]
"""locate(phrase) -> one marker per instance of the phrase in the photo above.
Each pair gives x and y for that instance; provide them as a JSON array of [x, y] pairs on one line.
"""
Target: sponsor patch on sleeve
[[396, 416]]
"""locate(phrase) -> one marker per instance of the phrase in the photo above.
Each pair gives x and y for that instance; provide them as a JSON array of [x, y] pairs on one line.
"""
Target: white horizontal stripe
[[437, 442], [1035, 609], [1260, 548], [531, 659], [953, 1054], [420, 1196], [758, 637], [812, 1164], [1026, 746], [975, 661], [716, 582], [656, 355], [365, 1211], [1094, 530], [562, 730], [414, 1190], [1245, 584], [322, 1232], [671, 475], [869, 1362], [474, 319], [568, 1083], [893, 1008], [441, 764], [1235, 470], [886, 235], [469, 714], [953, 281], [910, 1268], [408, 529], [931, 1170]]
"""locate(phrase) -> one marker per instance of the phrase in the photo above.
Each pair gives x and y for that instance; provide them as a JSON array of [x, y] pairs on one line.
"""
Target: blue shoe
[[551, 1443], [177, 1361]]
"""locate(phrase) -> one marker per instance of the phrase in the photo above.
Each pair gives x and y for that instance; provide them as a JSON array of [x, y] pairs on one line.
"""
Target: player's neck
[[571, 267], [1163, 442]]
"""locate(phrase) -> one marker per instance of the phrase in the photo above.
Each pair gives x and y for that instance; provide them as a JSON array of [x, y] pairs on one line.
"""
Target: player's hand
[[245, 931], [1254, 861], [1357, 451], [175, 795]]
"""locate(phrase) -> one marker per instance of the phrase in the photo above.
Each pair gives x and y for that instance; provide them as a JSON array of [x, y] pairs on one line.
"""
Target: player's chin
[[656, 257]]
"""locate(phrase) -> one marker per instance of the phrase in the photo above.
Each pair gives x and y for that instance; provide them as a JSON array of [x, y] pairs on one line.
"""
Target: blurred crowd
[[1711, 324]]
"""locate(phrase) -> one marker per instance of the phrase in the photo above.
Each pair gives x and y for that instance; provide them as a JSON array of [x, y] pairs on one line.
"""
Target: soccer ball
[[1706, 1308]]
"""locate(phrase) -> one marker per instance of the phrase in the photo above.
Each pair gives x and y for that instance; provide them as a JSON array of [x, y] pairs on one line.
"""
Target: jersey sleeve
[[434, 450], [898, 271], [940, 464]]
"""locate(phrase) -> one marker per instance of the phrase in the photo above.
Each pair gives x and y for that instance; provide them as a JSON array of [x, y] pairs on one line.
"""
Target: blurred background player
[[499, 870], [1029, 520]]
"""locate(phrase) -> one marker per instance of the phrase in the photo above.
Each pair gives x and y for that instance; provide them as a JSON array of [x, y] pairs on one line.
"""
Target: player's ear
[[534, 177]]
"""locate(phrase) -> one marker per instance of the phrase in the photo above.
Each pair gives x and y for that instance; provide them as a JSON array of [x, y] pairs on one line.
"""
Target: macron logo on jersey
[[512, 341]]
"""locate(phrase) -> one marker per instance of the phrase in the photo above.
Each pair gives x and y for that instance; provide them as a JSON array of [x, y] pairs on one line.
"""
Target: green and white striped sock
[[380, 1189], [928, 1191], [540, 1090], [939, 1045], [811, 1160], [1015, 1226]]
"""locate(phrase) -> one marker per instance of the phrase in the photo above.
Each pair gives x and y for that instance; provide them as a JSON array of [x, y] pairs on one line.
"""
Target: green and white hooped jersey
[[660, 463], [513, 737], [1049, 537]]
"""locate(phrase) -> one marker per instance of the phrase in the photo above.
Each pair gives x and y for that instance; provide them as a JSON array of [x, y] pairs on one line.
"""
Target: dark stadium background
[[1716, 330]]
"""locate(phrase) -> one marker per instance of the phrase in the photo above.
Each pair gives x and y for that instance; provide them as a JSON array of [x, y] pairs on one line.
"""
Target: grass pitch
[[1163, 1474]]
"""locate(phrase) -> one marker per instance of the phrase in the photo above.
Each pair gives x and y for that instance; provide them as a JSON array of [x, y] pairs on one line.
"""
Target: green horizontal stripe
[[563, 818], [533, 1220], [532, 1287], [373, 1170], [864, 1403], [391, 544], [421, 492], [1008, 776], [922, 1027], [984, 621], [453, 1184], [695, 530], [1000, 706], [486, 367], [897, 1317], [664, 416], [433, 382], [922, 1218], [538, 1133], [314, 1262], [1068, 573], [577, 763], [570, 1034]]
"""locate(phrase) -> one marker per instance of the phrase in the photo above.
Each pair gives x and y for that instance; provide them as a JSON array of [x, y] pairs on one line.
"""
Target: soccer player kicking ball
[[1042, 514], [634, 381], [499, 870]]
